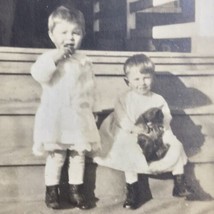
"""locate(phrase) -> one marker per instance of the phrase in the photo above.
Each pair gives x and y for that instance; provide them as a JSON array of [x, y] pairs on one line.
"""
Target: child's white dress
[[64, 119], [119, 145]]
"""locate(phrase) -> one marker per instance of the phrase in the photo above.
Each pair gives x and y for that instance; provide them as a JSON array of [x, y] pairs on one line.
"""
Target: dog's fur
[[151, 143]]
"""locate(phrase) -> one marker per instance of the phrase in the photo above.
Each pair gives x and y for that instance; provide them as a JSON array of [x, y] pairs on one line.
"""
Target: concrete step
[[21, 174], [26, 183], [108, 205]]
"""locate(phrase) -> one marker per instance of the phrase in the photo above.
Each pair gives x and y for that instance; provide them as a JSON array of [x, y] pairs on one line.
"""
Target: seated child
[[119, 133]]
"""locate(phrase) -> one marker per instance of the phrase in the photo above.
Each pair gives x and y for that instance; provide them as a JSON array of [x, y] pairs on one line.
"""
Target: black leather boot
[[77, 198], [131, 196], [180, 187], [52, 197]]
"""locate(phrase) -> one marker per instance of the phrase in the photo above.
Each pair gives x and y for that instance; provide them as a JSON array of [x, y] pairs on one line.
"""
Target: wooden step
[[16, 138], [116, 68], [178, 12], [153, 6], [109, 205], [186, 77], [143, 20], [168, 9], [26, 183], [162, 2], [17, 63], [194, 91]]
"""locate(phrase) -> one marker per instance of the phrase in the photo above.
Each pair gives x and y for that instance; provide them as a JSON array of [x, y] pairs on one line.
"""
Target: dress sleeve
[[91, 87], [43, 69], [167, 115], [168, 136], [97, 104]]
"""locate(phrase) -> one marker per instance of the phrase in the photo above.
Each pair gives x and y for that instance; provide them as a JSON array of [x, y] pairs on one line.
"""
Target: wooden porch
[[185, 80]]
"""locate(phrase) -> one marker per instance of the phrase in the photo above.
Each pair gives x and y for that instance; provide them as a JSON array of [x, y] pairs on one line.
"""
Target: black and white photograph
[[106, 106]]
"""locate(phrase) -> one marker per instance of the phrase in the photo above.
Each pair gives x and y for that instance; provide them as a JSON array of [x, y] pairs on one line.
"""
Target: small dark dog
[[151, 143]]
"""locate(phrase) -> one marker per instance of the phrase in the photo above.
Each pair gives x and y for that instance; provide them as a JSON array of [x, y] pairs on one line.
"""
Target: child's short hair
[[66, 14], [141, 61]]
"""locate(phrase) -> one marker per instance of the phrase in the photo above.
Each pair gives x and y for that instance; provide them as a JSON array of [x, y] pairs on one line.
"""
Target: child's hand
[[95, 147], [63, 53], [140, 130], [157, 167], [38, 150]]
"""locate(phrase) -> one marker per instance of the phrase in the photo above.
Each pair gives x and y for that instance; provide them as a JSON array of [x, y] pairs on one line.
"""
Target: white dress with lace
[[64, 119]]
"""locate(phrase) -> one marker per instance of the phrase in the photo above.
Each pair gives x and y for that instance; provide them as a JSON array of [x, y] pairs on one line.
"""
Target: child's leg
[[76, 167], [54, 163], [53, 168], [132, 190], [180, 187], [76, 177]]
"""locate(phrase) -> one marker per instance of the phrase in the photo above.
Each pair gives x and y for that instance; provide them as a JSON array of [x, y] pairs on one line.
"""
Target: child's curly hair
[[66, 14]]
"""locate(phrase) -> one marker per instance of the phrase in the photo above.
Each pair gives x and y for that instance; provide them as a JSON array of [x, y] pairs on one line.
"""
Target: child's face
[[67, 34], [141, 83]]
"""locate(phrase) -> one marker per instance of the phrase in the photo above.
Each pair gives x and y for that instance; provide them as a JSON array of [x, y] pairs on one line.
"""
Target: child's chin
[[143, 92]]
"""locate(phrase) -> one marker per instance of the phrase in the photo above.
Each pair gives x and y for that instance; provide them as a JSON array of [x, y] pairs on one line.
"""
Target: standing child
[[64, 120], [119, 134]]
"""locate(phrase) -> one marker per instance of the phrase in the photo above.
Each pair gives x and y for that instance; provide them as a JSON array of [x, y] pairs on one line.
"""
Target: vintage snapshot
[[106, 106]]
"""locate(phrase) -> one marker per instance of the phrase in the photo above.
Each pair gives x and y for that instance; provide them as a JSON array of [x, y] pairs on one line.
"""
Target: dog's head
[[152, 120], [153, 116]]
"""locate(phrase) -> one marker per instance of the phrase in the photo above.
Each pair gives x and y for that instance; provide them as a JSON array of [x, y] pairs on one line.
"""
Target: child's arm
[[167, 116], [38, 152], [43, 69], [90, 86], [124, 121], [38, 149], [45, 66], [61, 54]]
